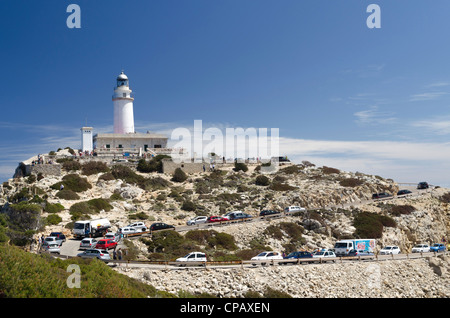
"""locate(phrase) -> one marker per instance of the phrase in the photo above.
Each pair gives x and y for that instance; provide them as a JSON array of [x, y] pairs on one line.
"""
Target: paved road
[[71, 246]]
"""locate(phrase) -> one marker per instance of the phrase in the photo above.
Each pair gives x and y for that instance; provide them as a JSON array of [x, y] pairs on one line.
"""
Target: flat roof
[[131, 136]]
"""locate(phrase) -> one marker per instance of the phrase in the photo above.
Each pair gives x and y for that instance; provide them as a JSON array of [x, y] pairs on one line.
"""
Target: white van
[[294, 208], [193, 257], [127, 230]]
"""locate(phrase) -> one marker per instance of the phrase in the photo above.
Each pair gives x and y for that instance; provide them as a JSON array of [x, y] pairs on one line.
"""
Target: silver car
[[87, 243], [197, 220], [51, 248], [95, 253], [113, 236], [52, 240]]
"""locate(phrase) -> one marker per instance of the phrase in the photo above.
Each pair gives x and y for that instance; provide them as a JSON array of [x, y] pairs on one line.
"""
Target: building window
[[120, 146], [158, 146], [108, 146]]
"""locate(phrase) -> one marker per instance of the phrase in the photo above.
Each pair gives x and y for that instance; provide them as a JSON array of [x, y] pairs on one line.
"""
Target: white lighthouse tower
[[123, 106]]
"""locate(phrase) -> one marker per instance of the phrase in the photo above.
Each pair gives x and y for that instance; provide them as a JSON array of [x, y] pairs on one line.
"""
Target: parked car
[[423, 185], [59, 235], [293, 209], [268, 212], [113, 236], [138, 226], [381, 195], [52, 240], [51, 248], [437, 247], [239, 215], [216, 218], [105, 244], [392, 249], [193, 257], [197, 220], [161, 226], [127, 230], [360, 253], [326, 255], [88, 243], [403, 192], [421, 248], [266, 256], [228, 215], [295, 256], [95, 253]]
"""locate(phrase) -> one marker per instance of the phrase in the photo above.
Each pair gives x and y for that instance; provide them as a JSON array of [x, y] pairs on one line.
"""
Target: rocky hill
[[338, 206]]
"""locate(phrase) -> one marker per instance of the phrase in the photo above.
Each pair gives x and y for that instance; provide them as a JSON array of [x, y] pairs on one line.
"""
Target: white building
[[125, 139], [123, 106], [86, 139]]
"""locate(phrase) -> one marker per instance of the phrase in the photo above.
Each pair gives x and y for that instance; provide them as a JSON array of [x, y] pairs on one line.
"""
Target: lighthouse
[[123, 106]]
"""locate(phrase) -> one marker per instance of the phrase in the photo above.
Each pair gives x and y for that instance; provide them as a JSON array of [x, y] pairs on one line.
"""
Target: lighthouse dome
[[122, 77]]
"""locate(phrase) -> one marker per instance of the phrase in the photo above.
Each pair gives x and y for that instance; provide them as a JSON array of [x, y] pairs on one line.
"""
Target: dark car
[[422, 185], [268, 212], [161, 226], [295, 256], [381, 195], [59, 235], [403, 192]]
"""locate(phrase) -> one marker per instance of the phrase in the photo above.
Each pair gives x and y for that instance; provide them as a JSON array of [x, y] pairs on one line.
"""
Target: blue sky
[[342, 95]]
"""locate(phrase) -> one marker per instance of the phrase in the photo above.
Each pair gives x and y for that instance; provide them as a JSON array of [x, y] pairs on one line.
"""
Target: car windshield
[[79, 226], [340, 245], [320, 253], [262, 254]]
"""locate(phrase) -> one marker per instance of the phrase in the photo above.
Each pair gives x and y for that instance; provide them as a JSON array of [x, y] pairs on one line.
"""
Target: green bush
[[275, 186], [45, 277], [94, 167], [73, 182], [71, 165], [179, 175], [53, 208], [371, 225], [351, 182], [106, 176], [262, 180], [398, 210], [153, 165], [240, 166], [54, 219], [67, 195], [188, 206], [328, 170]]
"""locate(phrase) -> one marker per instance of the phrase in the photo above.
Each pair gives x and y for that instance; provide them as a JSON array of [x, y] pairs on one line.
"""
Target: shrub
[[240, 166], [276, 186], [179, 175], [126, 174], [67, 195], [157, 183], [397, 210], [94, 167], [351, 182], [188, 206], [71, 165], [106, 176], [370, 225], [445, 198], [54, 219], [262, 180], [99, 204], [53, 208], [328, 170], [73, 182]]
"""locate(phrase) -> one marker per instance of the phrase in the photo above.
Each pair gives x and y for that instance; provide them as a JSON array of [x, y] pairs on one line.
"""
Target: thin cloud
[[427, 96], [373, 116]]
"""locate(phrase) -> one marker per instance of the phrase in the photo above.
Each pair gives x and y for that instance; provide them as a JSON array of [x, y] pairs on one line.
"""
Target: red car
[[212, 219], [105, 244]]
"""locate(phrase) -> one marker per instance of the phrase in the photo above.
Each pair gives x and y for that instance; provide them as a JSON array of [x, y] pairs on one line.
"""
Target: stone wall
[[46, 169], [169, 166]]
